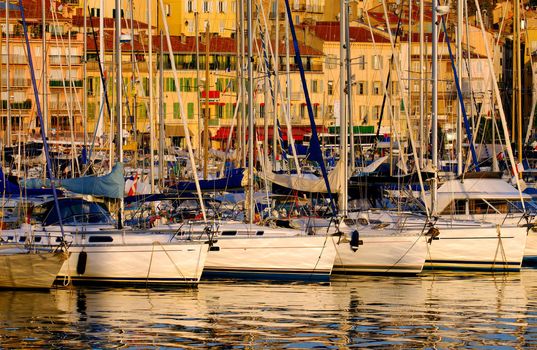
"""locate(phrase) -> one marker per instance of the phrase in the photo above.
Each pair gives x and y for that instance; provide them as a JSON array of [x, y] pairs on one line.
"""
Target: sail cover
[[111, 185], [309, 183]]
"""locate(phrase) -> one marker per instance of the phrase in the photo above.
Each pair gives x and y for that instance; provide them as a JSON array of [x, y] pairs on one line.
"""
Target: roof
[[476, 189], [187, 44], [329, 31]]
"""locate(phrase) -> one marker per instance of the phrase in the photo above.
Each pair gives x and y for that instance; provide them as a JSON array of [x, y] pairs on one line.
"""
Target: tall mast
[[518, 71], [8, 90], [243, 81], [434, 113], [238, 68], [161, 113], [119, 97], [251, 136], [343, 124], [460, 15], [349, 85], [85, 69], [207, 111], [44, 71], [133, 86], [421, 86], [151, 102], [196, 25], [276, 85]]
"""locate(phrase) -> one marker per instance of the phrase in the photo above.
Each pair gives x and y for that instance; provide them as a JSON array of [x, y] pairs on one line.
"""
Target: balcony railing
[[57, 60], [18, 105], [66, 83]]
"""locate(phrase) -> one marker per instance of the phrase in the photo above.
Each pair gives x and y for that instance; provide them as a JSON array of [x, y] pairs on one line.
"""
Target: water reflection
[[430, 311]]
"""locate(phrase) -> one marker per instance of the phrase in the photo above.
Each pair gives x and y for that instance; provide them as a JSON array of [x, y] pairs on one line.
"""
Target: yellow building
[[63, 60]]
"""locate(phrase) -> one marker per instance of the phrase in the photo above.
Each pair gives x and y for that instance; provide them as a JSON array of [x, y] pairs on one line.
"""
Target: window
[[169, 84], [189, 6], [176, 111], [395, 87], [220, 111], [377, 62], [95, 12], [303, 110], [206, 6], [364, 111], [360, 62], [190, 110], [167, 10], [375, 112], [262, 110], [314, 86], [361, 88], [331, 61], [122, 14], [376, 88], [222, 6], [330, 87]]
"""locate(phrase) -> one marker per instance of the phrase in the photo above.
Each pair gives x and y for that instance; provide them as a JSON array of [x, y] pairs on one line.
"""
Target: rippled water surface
[[430, 311]]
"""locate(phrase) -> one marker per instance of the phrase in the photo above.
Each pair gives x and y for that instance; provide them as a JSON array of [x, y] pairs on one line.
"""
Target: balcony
[[64, 60], [18, 105], [14, 59], [66, 83]]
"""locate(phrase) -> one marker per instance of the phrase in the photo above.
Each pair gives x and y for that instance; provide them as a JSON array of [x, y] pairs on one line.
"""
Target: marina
[[268, 174]]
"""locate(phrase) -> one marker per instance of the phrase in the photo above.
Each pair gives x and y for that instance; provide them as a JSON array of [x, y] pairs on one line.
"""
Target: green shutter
[[176, 112], [190, 107]]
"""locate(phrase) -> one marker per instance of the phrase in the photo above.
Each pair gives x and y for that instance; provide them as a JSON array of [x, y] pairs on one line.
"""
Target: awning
[[175, 131], [298, 132]]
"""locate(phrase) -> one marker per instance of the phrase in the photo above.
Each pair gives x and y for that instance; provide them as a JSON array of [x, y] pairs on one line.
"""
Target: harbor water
[[427, 311]]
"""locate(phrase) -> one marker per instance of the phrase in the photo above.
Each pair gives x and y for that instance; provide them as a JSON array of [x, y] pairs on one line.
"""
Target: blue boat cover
[[111, 185]]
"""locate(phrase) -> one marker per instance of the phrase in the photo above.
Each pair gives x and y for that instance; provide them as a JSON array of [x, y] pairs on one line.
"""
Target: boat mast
[[349, 86], [343, 125], [85, 81], [119, 97], [44, 71], [198, 85], [161, 114], [276, 85], [459, 102], [151, 102], [8, 89], [207, 111], [251, 136], [518, 80], [434, 105], [421, 87]]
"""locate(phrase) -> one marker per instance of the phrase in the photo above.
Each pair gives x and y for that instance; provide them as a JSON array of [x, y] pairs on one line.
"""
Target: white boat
[[378, 248], [21, 267], [488, 200], [261, 252], [101, 253], [465, 245]]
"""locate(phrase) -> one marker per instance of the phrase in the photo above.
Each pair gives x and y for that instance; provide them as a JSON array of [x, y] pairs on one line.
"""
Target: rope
[[499, 248], [169, 257]]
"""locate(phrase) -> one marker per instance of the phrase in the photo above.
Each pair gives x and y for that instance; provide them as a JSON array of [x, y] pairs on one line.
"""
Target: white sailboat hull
[[114, 256], [489, 248], [287, 258], [403, 254]]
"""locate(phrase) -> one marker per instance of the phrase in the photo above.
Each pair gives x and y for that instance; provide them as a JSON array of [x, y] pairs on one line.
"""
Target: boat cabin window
[[477, 206], [260, 233], [100, 239], [229, 233], [22, 239], [37, 239]]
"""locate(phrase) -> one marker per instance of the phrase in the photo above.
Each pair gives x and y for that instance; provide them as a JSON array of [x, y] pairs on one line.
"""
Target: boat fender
[[434, 233], [355, 240], [81, 263]]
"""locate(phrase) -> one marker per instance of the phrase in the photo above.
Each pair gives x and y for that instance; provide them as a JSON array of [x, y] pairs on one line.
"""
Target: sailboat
[[249, 250], [456, 244]]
